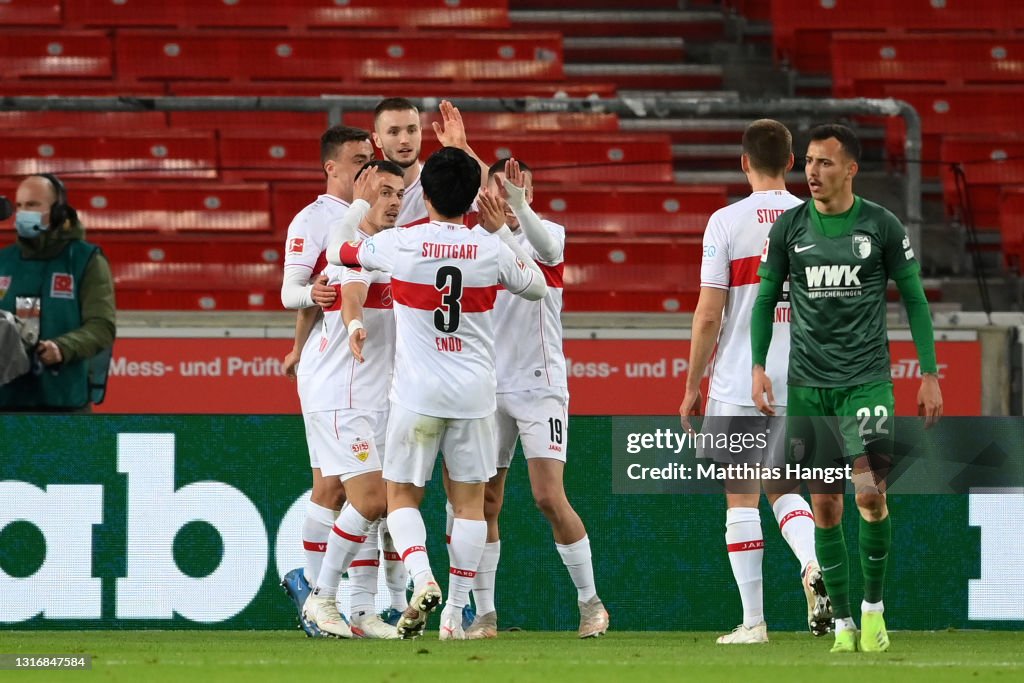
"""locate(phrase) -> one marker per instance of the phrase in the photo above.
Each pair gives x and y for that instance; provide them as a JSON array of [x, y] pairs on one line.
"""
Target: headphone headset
[[61, 211]]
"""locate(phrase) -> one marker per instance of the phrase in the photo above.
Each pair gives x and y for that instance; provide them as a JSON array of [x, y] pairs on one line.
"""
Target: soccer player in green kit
[[838, 252]]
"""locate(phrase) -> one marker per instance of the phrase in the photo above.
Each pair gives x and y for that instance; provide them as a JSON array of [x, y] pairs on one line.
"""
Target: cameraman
[[62, 290]]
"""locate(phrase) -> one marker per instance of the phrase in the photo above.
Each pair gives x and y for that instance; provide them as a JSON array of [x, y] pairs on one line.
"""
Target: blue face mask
[[29, 224]]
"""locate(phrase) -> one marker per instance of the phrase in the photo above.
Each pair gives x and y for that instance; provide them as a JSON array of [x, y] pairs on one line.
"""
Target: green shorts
[[846, 421]]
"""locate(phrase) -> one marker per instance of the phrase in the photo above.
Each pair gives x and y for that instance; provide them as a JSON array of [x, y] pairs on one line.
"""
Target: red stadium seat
[[451, 90], [589, 250], [162, 55], [165, 154], [92, 121], [555, 157], [625, 210], [292, 14], [80, 54], [507, 121], [79, 88], [989, 164], [197, 286], [949, 111], [287, 199], [189, 248], [30, 13], [803, 29], [1011, 216], [580, 156], [863, 64], [170, 208]]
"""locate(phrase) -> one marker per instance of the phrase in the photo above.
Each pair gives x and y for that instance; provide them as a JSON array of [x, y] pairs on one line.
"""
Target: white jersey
[[308, 237], [528, 346], [414, 209], [733, 243], [334, 379], [444, 279]]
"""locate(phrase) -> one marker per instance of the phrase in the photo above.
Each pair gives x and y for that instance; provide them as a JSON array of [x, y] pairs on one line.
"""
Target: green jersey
[[837, 291]]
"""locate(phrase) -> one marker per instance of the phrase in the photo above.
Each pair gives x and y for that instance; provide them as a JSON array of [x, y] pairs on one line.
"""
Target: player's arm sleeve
[[715, 262], [510, 241], [296, 291], [761, 317], [912, 292], [548, 247], [344, 229], [518, 277], [99, 319], [376, 253]]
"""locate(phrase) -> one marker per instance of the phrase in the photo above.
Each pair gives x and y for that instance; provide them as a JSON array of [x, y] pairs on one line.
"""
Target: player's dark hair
[[846, 137], [384, 165], [393, 104], [768, 145], [499, 167], [336, 136], [450, 179]]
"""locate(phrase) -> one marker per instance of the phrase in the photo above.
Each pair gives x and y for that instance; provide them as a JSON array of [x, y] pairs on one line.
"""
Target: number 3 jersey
[[444, 280]]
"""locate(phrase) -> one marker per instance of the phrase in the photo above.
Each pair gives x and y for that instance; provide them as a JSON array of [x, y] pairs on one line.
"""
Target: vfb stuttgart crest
[[861, 246], [361, 449]]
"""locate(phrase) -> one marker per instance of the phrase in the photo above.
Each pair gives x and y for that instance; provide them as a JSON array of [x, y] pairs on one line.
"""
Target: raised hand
[[492, 211], [514, 184], [367, 186], [451, 132], [323, 294]]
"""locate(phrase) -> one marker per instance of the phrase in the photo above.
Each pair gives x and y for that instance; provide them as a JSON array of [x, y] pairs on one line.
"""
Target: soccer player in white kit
[[343, 152], [398, 135], [445, 279], [733, 242], [533, 408], [347, 413]]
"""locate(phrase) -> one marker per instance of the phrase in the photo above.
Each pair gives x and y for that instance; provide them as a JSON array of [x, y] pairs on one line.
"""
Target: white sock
[[866, 606], [316, 529], [845, 624], [483, 584], [469, 536], [449, 522], [363, 572], [410, 537], [394, 569], [796, 522], [745, 544], [347, 538], [576, 558]]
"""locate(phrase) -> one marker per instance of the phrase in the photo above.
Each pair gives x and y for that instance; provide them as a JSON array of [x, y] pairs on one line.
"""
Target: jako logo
[[832, 276]]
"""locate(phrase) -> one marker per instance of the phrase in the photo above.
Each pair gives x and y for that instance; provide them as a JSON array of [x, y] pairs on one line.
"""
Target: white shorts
[[539, 418], [746, 429], [415, 439], [345, 443]]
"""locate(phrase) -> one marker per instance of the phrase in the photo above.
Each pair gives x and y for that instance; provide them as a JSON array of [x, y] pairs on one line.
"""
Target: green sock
[[875, 542], [830, 546]]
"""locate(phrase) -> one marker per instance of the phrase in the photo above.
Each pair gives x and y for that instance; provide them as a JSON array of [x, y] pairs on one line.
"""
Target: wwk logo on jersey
[[62, 286], [861, 246], [296, 245], [833, 281]]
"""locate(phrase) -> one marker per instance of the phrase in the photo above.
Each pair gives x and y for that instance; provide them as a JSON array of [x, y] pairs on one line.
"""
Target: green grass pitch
[[256, 656]]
